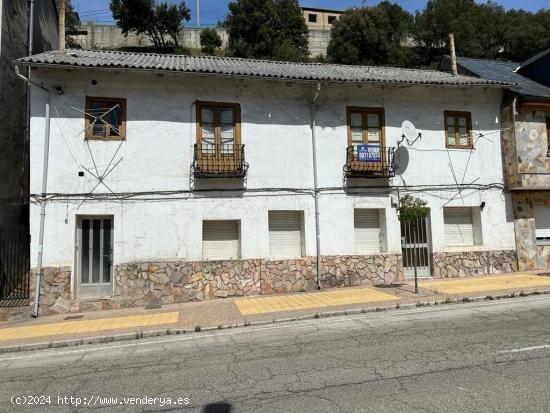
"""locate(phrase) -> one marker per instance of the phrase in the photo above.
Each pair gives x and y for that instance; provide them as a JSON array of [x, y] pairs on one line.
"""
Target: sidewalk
[[103, 326]]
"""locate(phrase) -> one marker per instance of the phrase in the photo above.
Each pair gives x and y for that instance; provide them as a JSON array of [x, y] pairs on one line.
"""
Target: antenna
[[198, 13], [410, 134]]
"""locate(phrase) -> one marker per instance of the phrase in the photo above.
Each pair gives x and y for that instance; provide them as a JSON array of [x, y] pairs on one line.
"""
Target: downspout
[[316, 185], [44, 189]]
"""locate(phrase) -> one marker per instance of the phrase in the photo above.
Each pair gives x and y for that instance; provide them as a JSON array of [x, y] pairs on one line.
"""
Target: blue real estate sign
[[368, 153]]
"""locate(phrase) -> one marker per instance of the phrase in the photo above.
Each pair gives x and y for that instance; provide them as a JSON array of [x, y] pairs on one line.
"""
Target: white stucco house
[[175, 178]]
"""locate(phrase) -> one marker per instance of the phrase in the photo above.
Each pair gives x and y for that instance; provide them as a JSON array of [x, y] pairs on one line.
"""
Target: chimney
[[61, 26], [454, 69]]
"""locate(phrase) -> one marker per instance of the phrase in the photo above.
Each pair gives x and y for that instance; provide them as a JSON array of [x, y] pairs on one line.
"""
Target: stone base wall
[[531, 256], [55, 290], [463, 264], [158, 283]]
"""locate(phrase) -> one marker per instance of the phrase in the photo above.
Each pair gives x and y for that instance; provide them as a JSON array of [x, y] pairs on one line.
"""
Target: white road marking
[[290, 324], [525, 349]]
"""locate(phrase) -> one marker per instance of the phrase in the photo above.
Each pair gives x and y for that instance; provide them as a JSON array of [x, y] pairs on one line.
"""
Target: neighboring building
[[526, 143], [320, 19], [14, 45], [192, 178]]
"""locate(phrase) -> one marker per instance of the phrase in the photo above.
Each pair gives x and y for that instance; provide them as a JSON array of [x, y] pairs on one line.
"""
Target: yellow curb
[[474, 285], [249, 306], [87, 326]]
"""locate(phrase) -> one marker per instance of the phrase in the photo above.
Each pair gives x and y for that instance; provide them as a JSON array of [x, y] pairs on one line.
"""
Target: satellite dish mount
[[410, 134]]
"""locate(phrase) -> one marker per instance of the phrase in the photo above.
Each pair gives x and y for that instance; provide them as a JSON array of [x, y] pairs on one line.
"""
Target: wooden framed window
[[458, 130], [105, 118], [365, 126], [218, 127]]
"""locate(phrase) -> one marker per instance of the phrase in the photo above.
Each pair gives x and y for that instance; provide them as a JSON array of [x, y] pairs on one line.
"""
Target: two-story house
[[175, 178], [526, 144]]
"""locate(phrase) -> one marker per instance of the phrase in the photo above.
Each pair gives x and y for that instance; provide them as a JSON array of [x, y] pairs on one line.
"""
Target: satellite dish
[[409, 131], [400, 160]]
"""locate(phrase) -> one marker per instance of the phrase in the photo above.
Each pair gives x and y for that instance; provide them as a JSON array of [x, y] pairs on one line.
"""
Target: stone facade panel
[[464, 264]]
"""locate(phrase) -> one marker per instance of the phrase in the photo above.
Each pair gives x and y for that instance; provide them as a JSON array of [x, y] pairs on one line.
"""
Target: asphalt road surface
[[492, 356]]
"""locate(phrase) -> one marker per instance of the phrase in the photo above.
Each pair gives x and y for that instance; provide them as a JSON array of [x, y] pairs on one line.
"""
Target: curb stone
[[180, 331]]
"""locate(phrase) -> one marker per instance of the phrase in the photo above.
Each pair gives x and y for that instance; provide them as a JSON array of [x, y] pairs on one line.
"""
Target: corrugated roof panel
[[255, 68]]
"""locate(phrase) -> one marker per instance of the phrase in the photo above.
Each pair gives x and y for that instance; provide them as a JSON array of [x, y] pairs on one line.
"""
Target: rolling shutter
[[542, 221], [367, 231], [285, 234], [220, 240], [459, 227]]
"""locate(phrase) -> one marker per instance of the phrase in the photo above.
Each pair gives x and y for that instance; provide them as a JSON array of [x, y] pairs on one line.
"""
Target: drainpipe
[[44, 189], [316, 185]]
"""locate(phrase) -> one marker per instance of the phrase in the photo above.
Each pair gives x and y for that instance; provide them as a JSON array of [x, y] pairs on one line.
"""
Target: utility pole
[[198, 13], [61, 24], [454, 69]]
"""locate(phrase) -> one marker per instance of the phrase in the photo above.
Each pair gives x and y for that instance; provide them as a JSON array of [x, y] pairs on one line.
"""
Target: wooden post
[[61, 26], [454, 69]]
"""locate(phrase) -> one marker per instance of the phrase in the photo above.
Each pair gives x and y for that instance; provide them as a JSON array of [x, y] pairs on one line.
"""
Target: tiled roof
[[230, 66], [504, 72]]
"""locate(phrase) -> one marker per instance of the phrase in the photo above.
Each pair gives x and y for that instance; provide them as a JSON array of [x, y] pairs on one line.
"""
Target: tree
[[371, 35], [210, 41], [72, 21], [525, 34], [267, 29], [478, 29], [161, 22]]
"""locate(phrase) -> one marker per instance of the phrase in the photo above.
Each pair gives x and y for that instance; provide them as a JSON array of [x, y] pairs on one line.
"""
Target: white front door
[[94, 256]]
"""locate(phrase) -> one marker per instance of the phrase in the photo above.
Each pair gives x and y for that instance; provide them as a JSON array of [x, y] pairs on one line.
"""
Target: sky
[[213, 11]]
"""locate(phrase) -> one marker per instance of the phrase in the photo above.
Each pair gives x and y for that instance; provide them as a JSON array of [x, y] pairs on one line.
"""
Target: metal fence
[[416, 247], [14, 267]]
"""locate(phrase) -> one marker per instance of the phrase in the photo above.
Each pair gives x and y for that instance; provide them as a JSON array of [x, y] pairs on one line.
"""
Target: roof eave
[[274, 78]]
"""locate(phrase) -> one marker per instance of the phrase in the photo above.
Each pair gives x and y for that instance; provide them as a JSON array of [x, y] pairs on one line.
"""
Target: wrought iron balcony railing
[[219, 161], [369, 161]]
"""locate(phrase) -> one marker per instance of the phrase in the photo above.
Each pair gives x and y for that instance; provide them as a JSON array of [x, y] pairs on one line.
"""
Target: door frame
[[106, 290]]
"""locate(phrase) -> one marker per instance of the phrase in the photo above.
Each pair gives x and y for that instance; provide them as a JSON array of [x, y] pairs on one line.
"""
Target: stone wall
[[532, 148], [158, 283], [463, 264], [531, 256]]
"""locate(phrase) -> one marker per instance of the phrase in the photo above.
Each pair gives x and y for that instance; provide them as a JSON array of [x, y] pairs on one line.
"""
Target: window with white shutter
[[459, 226], [285, 234], [220, 240], [367, 231], [542, 222]]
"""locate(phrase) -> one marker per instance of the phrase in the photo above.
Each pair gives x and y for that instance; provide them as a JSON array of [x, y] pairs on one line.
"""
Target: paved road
[[477, 357]]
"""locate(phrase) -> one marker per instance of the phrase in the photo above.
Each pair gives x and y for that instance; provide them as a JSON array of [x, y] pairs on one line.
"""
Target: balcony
[[366, 161], [219, 161]]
